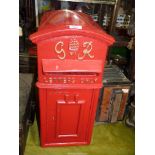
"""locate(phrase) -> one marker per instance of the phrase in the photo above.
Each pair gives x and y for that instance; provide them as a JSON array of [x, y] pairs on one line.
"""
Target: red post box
[[71, 50]]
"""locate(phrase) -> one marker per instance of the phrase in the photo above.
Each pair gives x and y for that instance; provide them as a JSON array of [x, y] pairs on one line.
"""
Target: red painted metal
[[71, 51]]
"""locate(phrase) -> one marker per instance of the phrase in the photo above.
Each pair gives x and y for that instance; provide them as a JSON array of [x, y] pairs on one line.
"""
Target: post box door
[[68, 115]]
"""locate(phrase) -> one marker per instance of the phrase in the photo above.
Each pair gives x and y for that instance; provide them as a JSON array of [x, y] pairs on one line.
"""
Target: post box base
[[65, 144]]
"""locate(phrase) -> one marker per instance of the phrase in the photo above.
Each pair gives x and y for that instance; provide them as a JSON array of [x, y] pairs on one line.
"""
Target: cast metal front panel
[[71, 52], [68, 114]]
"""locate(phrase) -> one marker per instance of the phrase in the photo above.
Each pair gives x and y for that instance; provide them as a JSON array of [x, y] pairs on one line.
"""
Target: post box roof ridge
[[67, 22]]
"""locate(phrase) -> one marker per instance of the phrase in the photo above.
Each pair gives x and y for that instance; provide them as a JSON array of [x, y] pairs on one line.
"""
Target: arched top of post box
[[66, 22]]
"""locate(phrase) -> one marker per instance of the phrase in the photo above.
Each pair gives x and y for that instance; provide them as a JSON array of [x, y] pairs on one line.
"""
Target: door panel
[[68, 119], [67, 115]]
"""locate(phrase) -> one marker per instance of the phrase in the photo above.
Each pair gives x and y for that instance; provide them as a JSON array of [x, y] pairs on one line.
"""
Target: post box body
[[71, 51]]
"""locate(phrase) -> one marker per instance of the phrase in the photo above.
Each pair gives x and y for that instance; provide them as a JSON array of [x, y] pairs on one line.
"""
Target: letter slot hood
[[71, 66]]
